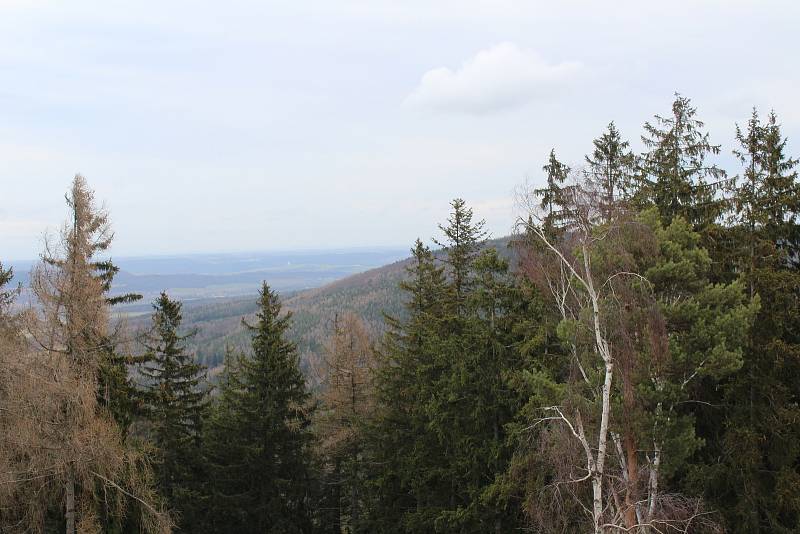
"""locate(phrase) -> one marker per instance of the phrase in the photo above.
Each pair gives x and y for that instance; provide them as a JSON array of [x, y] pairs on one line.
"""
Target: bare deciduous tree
[[347, 401]]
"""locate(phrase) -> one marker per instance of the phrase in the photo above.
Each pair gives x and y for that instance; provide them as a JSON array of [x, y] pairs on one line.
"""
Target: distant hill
[[218, 322], [207, 277], [369, 294]]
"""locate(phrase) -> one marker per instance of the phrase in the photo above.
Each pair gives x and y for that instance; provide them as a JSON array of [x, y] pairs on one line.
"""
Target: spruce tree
[[259, 439], [446, 403], [751, 462], [461, 244], [473, 404], [118, 391], [783, 190], [176, 401], [406, 480], [438, 437], [552, 196], [611, 167], [676, 176]]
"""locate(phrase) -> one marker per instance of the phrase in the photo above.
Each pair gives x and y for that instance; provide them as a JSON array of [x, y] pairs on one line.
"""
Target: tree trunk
[[599, 467], [337, 498], [69, 505], [597, 503], [604, 350], [632, 465], [653, 482]]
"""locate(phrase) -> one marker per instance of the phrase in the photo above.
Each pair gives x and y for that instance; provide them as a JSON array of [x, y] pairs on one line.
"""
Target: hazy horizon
[[211, 253], [220, 275]]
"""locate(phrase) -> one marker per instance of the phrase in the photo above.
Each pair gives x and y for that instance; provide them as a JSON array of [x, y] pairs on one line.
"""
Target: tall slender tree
[[75, 326], [406, 481], [783, 189], [118, 391], [259, 438], [438, 438], [750, 464], [472, 403], [552, 196], [442, 382], [347, 402], [176, 401], [461, 242], [85, 239]]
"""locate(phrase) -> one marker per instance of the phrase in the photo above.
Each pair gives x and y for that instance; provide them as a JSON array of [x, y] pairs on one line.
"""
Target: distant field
[[209, 277]]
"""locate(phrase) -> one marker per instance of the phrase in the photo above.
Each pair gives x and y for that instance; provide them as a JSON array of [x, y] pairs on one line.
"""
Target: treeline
[[634, 367]]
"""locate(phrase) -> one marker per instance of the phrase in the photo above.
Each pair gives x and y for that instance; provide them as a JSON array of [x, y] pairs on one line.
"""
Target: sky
[[316, 124]]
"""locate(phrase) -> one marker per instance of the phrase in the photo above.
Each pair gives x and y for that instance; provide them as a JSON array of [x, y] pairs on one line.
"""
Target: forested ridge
[[369, 294], [629, 361]]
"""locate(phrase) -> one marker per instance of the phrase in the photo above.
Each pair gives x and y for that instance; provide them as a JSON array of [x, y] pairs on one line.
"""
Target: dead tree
[[65, 448]]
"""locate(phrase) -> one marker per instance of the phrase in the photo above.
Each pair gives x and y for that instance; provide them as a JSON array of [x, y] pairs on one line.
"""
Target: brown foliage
[[52, 435], [58, 448], [345, 375]]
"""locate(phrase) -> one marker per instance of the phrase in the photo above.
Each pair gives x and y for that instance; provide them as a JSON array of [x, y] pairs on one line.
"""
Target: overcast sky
[[259, 125]]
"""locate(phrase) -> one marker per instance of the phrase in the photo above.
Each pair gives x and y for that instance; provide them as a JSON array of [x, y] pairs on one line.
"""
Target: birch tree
[[640, 325], [575, 288]]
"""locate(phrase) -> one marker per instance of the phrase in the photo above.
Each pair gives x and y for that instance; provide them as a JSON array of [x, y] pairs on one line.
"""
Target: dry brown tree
[[346, 402], [60, 448]]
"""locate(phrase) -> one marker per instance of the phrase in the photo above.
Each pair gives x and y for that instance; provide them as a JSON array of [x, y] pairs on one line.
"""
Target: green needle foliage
[[442, 401], [258, 440], [749, 468], [176, 396], [677, 178], [406, 478], [611, 168]]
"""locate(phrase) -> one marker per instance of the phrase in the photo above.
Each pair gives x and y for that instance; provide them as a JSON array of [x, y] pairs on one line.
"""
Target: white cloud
[[499, 78]]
